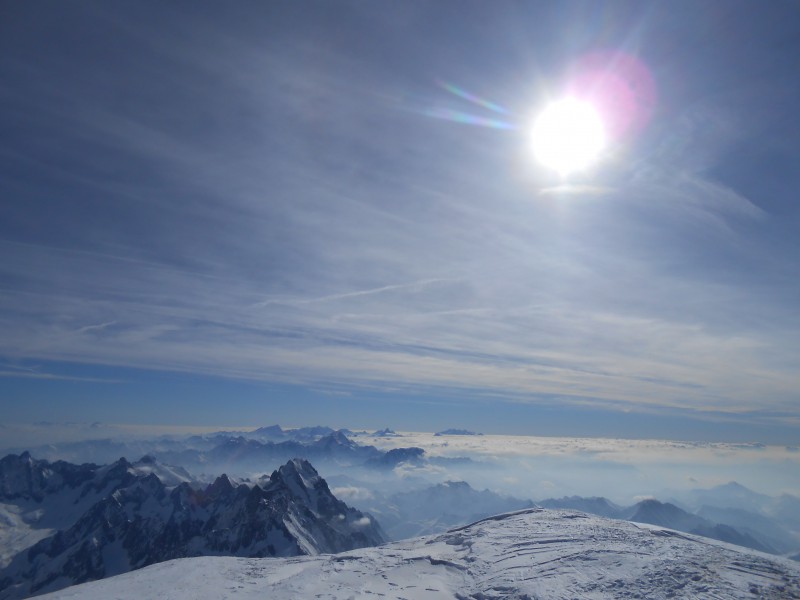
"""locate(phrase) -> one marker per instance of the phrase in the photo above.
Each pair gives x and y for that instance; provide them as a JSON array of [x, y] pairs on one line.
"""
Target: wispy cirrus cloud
[[254, 206], [55, 377], [37, 373], [414, 285]]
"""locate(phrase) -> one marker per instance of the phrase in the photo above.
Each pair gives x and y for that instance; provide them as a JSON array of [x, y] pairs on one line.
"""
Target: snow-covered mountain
[[25, 479], [786, 509], [709, 523], [669, 515], [196, 450], [455, 432], [595, 505], [439, 507], [386, 432], [139, 520], [38, 497], [335, 447], [536, 553], [275, 433], [728, 495], [244, 453], [783, 510], [768, 531], [396, 456], [105, 451]]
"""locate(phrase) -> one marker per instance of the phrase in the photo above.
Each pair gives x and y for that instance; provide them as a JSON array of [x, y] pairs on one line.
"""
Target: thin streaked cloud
[[259, 199]]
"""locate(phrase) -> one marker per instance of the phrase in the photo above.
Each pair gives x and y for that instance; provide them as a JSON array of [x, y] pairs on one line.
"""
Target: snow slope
[[535, 553]]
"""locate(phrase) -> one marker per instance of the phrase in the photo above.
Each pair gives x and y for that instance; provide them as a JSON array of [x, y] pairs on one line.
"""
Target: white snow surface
[[526, 555], [169, 475], [16, 533]]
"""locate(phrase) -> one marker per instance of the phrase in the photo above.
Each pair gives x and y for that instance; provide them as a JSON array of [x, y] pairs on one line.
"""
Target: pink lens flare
[[620, 86]]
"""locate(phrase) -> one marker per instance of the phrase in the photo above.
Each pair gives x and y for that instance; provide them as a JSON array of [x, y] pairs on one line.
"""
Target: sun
[[568, 136]]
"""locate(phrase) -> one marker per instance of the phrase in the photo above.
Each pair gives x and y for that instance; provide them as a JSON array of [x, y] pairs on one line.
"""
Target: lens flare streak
[[466, 118], [457, 116], [465, 95]]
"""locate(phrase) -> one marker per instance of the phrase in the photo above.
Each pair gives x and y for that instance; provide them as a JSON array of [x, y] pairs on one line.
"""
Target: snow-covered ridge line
[[534, 553]]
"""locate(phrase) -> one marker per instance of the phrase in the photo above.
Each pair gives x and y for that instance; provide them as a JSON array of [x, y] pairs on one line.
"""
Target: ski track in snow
[[531, 554]]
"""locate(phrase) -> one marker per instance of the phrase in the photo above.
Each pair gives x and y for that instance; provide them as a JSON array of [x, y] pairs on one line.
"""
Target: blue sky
[[329, 211]]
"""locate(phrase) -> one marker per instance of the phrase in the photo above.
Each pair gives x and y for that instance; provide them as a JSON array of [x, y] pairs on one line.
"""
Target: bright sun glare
[[568, 136]]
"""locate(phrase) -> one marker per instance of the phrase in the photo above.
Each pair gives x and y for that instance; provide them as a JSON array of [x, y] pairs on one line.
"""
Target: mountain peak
[[301, 481], [221, 486], [270, 430], [336, 438], [299, 467], [397, 456], [735, 487], [386, 432], [340, 436], [456, 485], [120, 463]]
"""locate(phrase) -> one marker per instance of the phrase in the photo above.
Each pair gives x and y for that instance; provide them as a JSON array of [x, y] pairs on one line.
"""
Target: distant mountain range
[[125, 516], [225, 451], [735, 526], [275, 433]]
